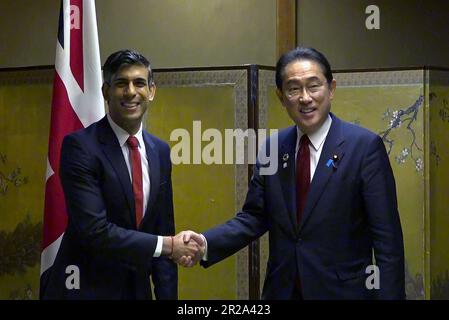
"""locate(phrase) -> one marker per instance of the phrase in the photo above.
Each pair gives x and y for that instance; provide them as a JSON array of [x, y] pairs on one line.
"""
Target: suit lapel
[[154, 167], [287, 175], [324, 170], [113, 152]]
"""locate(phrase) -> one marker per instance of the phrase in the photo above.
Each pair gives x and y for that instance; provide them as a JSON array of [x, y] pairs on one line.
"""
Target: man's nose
[[130, 90], [305, 96]]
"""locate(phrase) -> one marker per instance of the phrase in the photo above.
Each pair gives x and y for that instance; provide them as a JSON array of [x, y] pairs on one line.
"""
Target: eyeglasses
[[294, 92]]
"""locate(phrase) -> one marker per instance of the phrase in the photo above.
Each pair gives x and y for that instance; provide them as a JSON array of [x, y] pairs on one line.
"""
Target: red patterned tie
[[302, 176], [136, 169]]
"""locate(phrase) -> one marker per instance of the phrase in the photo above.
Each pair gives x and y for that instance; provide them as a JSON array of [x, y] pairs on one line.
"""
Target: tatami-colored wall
[[178, 33], [412, 32], [172, 33]]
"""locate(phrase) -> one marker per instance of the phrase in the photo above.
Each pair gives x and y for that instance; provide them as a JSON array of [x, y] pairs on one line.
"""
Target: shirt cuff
[[205, 249], [158, 251]]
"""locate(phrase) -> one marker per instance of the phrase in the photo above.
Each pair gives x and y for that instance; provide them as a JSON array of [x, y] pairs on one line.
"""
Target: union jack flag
[[77, 102]]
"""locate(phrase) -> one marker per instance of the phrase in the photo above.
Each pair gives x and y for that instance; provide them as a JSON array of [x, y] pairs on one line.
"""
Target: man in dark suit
[[330, 207], [117, 185]]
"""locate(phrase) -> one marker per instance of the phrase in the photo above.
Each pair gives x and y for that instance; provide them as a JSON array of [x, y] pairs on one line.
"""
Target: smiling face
[[128, 95], [306, 94]]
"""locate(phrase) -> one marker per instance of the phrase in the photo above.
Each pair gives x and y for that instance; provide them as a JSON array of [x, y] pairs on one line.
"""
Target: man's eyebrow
[[127, 79], [311, 79]]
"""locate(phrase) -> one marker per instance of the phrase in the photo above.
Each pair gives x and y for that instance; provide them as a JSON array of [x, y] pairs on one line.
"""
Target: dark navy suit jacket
[[115, 260], [351, 210]]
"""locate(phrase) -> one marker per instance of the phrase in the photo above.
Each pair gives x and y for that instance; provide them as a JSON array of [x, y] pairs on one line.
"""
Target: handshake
[[186, 248]]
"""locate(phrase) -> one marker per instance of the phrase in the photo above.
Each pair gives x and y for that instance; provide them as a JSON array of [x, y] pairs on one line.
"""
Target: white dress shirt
[[316, 144], [122, 137]]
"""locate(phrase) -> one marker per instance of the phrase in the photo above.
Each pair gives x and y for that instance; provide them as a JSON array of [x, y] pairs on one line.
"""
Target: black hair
[[119, 58], [302, 53]]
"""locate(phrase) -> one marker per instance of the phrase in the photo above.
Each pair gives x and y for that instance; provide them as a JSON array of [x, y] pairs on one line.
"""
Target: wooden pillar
[[285, 26], [253, 122]]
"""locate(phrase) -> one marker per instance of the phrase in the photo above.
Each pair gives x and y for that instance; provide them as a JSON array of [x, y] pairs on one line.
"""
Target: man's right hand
[[188, 237], [182, 251]]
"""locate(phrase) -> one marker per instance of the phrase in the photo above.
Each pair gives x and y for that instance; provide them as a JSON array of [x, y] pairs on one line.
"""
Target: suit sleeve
[[164, 271], [80, 177], [379, 194], [248, 225]]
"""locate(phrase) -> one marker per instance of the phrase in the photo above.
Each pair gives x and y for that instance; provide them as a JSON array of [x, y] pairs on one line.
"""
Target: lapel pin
[[285, 158], [332, 162]]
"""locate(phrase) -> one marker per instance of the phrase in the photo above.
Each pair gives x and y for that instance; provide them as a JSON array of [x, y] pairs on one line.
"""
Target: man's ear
[[152, 91], [105, 90], [332, 87]]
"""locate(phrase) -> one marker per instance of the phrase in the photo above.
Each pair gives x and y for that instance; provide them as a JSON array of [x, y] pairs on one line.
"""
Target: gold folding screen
[[204, 194], [409, 108], [24, 126]]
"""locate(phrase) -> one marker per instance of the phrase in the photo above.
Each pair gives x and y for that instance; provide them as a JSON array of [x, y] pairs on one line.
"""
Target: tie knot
[[304, 140], [132, 142]]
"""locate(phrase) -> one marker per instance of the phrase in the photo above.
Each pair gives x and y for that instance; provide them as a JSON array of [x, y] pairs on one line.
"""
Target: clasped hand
[[188, 248]]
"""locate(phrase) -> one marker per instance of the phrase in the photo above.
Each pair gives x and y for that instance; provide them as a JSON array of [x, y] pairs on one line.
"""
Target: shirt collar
[[317, 138], [123, 135]]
